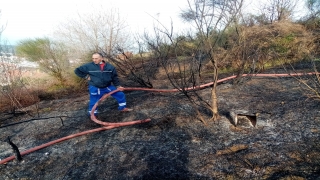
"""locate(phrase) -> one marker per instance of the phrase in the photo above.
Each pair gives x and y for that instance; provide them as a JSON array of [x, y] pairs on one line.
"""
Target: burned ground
[[284, 144]]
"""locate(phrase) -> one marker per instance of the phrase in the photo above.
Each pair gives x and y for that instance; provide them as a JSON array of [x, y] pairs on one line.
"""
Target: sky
[[25, 19], [38, 18]]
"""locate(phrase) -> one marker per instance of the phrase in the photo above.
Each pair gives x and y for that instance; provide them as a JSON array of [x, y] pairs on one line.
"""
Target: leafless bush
[[177, 63], [316, 81], [310, 83], [15, 93], [129, 66]]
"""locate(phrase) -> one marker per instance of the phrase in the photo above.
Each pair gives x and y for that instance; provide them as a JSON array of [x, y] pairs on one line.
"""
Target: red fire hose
[[108, 125]]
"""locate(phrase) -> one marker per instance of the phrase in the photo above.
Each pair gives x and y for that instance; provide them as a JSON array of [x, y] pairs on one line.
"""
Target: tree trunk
[[215, 114], [214, 99]]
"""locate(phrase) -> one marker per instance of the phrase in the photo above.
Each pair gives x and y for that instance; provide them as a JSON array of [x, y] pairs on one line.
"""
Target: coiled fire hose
[[109, 125]]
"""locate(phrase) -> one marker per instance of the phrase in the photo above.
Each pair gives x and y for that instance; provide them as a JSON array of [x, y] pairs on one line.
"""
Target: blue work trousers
[[97, 93]]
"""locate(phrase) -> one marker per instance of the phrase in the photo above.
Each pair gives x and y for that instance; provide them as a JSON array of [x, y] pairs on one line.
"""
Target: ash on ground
[[176, 144]]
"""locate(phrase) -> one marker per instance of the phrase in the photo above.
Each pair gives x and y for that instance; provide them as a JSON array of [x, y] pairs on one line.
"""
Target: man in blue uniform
[[102, 78]]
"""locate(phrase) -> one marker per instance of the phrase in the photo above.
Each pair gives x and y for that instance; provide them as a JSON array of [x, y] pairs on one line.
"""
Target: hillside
[[284, 144]]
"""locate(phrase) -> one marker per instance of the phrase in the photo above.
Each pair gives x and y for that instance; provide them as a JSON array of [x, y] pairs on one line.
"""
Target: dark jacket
[[98, 78]]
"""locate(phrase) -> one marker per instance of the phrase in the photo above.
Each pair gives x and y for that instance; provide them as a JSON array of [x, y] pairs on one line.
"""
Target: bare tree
[[278, 10], [311, 19], [103, 31], [210, 19], [313, 7]]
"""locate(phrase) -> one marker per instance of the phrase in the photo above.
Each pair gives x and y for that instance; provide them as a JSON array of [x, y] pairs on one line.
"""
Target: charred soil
[[284, 143]]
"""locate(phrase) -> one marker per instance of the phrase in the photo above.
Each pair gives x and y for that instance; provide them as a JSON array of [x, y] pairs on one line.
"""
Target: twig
[[15, 149], [61, 121], [34, 119]]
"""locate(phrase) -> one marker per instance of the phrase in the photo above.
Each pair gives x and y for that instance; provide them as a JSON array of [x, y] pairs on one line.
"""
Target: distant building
[[12, 67], [8, 72], [9, 57], [27, 64]]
